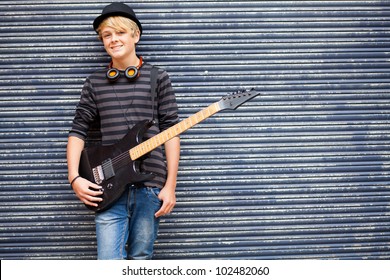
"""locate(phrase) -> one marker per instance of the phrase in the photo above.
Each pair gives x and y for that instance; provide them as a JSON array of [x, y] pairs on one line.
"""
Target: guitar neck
[[159, 139]]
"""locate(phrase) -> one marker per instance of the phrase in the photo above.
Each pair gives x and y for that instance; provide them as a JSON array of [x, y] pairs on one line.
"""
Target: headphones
[[131, 72]]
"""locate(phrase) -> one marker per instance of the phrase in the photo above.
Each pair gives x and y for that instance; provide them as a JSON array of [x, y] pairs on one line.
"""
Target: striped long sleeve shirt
[[122, 104]]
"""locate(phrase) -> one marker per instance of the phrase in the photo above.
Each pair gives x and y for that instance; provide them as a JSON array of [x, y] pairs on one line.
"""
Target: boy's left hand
[[168, 198]]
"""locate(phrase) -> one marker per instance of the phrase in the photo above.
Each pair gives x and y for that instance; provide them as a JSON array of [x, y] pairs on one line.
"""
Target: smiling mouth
[[116, 48]]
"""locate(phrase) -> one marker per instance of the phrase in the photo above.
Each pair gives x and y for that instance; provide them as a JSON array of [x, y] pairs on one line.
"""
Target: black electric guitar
[[113, 167]]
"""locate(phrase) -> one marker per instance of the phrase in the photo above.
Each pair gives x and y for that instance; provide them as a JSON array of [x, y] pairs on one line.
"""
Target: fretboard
[[159, 139]]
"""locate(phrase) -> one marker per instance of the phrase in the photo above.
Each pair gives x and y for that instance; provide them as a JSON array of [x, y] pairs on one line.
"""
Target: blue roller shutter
[[302, 171]]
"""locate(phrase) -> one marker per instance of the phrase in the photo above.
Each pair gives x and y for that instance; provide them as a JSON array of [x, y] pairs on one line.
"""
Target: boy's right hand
[[87, 191]]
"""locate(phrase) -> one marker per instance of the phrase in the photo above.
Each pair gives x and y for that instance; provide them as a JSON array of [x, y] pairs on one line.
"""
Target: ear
[[137, 36]]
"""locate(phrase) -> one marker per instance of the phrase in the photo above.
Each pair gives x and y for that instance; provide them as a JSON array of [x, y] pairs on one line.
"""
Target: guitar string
[[125, 155], [190, 120]]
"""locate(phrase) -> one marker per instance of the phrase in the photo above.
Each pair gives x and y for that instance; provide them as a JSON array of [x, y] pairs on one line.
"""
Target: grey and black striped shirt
[[122, 104]]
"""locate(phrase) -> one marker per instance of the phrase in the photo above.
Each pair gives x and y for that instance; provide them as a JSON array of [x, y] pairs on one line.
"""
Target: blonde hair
[[119, 24]]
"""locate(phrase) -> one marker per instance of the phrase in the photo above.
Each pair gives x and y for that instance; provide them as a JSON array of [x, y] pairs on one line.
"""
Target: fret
[[177, 129], [158, 141], [202, 114], [180, 127], [186, 121], [165, 136], [155, 143]]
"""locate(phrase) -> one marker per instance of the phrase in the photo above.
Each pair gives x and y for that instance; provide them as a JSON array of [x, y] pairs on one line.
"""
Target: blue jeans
[[128, 229]]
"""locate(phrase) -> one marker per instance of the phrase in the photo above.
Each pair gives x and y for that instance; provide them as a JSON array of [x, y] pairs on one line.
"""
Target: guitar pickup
[[103, 172], [108, 169]]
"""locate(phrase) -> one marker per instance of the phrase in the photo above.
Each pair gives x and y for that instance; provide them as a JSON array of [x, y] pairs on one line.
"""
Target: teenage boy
[[128, 229]]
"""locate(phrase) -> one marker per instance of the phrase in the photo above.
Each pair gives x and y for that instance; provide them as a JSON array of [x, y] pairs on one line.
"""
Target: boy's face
[[119, 44]]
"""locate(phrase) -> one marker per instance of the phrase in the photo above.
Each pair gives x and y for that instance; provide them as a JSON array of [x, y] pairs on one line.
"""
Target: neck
[[123, 64]]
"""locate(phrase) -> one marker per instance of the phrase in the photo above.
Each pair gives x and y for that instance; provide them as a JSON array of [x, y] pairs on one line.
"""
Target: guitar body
[[112, 168]]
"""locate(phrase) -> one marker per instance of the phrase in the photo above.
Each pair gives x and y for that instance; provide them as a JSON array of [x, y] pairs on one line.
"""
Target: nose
[[114, 37]]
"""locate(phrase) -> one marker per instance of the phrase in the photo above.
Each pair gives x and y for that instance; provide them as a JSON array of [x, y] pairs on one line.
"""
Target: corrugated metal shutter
[[299, 172]]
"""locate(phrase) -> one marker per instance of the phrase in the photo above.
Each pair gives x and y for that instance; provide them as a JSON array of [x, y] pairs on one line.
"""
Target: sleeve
[[86, 112], [167, 106]]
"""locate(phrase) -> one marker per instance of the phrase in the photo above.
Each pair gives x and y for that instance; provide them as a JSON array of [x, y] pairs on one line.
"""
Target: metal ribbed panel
[[302, 171]]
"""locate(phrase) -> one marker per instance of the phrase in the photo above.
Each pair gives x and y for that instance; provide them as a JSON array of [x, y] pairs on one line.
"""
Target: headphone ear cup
[[131, 73], [112, 74]]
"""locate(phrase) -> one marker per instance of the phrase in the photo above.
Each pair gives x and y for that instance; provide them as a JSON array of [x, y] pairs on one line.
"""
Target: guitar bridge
[[98, 174], [103, 172]]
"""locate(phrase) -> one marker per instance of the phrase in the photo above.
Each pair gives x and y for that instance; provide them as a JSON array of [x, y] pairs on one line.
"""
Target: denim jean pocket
[[154, 192]]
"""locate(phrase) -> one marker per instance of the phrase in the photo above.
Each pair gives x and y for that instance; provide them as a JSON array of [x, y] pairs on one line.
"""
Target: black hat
[[117, 9]]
